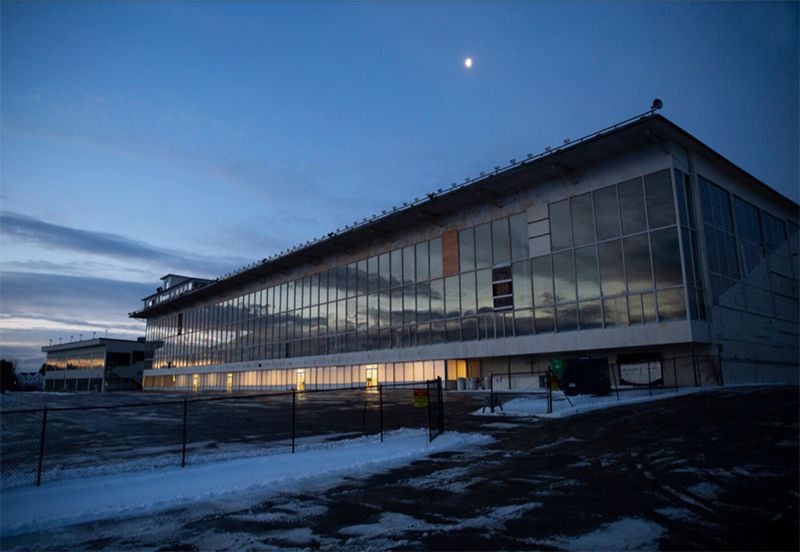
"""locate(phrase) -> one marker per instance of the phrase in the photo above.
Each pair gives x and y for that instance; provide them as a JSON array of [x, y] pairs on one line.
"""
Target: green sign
[[557, 367]]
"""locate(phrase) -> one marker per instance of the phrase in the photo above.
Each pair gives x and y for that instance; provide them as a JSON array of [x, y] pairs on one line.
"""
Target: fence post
[[616, 383], [380, 401], [41, 448], [441, 403], [294, 402], [491, 393], [364, 420], [430, 420], [183, 449], [549, 381]]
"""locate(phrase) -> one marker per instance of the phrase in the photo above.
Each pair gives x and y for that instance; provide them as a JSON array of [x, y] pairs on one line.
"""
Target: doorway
[[372, 377], [301, 380]]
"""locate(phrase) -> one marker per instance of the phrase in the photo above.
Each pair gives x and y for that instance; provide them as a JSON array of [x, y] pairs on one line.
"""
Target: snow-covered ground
[[80, 500], [563, 407]]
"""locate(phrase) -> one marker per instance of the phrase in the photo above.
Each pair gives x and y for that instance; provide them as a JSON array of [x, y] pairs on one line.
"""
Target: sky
[[139, 139]]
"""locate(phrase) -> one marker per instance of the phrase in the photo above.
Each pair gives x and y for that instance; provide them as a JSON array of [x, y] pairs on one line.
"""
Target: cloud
[[40, 307], [53, 236]]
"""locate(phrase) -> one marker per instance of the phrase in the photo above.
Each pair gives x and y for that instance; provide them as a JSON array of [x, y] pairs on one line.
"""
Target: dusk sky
[[140, 139]]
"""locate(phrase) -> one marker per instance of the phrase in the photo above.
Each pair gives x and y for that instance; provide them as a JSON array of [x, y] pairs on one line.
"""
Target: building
[[97, 365], [637, 244]]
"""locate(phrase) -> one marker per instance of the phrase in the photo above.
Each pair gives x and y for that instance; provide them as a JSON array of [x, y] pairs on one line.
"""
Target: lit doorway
[[195, 382], [301, 380], [229, 383], [372, 377]]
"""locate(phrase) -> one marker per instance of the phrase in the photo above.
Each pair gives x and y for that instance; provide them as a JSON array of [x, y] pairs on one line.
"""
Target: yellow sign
[[420, 398]]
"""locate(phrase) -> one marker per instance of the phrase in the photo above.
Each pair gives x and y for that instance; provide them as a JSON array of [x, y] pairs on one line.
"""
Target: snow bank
[[623, 534], [537, 405], [80, 500]]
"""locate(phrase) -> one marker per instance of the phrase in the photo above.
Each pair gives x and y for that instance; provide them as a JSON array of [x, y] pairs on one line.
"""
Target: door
[[301, 380], [372, 377]]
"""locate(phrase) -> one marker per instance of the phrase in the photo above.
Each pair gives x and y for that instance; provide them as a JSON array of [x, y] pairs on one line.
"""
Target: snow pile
[[81, 500], [623, 534], [579, 404]]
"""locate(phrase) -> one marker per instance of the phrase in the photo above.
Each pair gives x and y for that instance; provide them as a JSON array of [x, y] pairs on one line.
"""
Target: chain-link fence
[[66, 442]]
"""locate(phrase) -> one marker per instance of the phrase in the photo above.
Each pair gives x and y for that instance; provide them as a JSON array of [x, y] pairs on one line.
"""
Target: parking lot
[[713, 470]]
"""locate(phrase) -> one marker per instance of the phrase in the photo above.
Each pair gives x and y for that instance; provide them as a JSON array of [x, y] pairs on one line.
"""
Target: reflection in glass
[[436, 258], [501, 242], [606, 212], [468, 294], [616, 311], [582, 220], [671, 305], [542, 281], [586, 271], [437, 299], [397, 267], [484, 289], [590, 315], [519, 236], [564, 276], [422, 262], [452, 297], [544, 319], [408, 265], [567, 317], [649, 307], [637, 263], [666, 257], [466, 250], [631, 203], [483, 245], [383, 270], [560, 225], [660, 204]]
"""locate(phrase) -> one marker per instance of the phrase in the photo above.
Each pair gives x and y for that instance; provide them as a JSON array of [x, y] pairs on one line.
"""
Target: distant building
[[638, 244], [30, 381], [96, 365]]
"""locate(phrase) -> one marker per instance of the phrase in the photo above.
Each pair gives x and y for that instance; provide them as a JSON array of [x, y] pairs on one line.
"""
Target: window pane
[[521, 276], [408, 265], [437, 299], [671, 305], [361, 312], [422, 262], [747, 223], [451, 298], [483, 245], [564, 276], [519, 236], [666, 257], [611, 271], [616, 311], [637, 263], [586, 270], [362, 277], [589, 314], [466, 250], [523, 322], [660, 204], [606, 212], [409, 304], [397, 267], [484, 286], [649, 307], [468, 294], [436, 258], [397, 307], [501, 244], [542, 281], [383, 268], [351, 315], [545, 320], [631, 203], [372, 267], [582, 219], [567, 317], [560, 225]]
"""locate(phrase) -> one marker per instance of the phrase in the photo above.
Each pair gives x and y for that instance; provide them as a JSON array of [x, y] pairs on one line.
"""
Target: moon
[[468, 63]]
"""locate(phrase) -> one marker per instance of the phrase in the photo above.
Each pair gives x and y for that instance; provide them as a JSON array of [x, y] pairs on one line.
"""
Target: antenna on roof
[[657, 104]]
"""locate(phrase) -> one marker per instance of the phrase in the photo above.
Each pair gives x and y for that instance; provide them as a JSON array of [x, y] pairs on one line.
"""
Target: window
[[502, 288], [631, 203]]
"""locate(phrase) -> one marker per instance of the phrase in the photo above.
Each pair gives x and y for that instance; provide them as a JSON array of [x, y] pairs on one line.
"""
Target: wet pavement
[[715, 470]]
